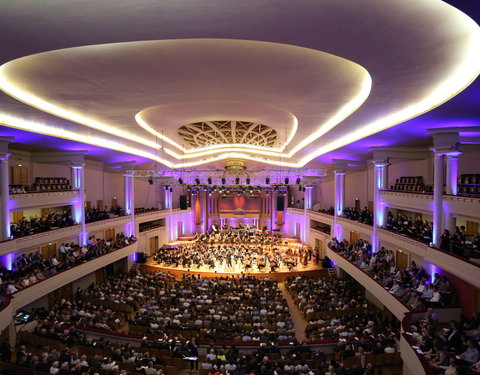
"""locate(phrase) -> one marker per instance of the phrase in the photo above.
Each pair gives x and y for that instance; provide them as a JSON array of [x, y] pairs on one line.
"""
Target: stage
[[280, 272]]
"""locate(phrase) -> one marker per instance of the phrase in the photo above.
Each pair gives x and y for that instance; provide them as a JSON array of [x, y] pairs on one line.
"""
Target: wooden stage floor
[[279, 274]]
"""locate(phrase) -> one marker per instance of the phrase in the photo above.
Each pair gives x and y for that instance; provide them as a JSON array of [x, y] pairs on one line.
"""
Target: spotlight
[[237, 180], [224, 180], [180, 181], [286, 180], [197, 181], [150, 180], [304, 188], [298, 180], [171, 189], [299, 188], [267, 181], [209, 180], [248, 180]]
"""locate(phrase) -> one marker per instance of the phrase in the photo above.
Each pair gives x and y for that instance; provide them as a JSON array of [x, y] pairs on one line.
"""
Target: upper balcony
[[317, 215], [465, 206], [42, 199], [355, 226]]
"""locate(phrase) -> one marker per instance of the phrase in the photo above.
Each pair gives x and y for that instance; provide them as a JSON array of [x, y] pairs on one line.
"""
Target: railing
[[317, 230], [106, 222], [322, 215], [357, 224], [43, 194]]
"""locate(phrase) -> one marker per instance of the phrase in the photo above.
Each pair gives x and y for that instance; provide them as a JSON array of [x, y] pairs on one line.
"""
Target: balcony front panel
[[47, 199], [462, 206], [32, 293], [320, 216], [355, 226], [410, 201], [108, 223]]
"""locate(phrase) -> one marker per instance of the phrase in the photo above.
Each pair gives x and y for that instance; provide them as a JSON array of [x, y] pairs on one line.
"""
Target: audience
[[32, 268], [410, 285], [419, 229], [97, 214], [42, 223], [363, 216]]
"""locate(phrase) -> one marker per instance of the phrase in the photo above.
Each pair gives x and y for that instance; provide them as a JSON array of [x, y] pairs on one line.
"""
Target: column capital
[[449, 151], [4, 156], [380, 163], [339, 172], [77, 165]]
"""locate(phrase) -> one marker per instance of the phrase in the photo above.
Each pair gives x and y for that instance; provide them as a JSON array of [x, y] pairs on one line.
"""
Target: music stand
[[192, 360]]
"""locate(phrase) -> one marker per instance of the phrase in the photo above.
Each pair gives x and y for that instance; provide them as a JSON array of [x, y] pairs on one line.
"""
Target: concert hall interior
[[239, 187]]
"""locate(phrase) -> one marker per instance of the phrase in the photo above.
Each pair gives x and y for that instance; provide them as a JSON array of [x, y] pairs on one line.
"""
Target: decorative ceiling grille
[[201, 134]]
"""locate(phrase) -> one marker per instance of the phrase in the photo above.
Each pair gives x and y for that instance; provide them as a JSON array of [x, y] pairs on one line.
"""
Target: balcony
[[108, 223], [42, 288], [355, 226], [460, 205], [157, 214], [451, 263], [42, 199], [413, 201], [320, 216], [39, 239]]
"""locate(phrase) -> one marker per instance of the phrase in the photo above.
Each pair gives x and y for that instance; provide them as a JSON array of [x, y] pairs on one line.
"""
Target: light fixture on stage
[[237, 180], [304, 188], [180, 181], [150, 180], [267, 181], [298, 180], [209, 180], [197, 181], [286, 180], [224, 180], [300, 188], [171, 189], [248, 180]]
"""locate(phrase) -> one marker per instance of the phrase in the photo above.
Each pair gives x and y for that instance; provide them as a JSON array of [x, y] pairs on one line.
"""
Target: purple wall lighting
[[433, 270], [8, 260]]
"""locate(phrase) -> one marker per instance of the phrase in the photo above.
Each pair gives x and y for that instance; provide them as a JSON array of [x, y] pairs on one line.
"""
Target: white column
[[78, 183], [306, 206], [4, 198], [438, 174], [274, 210], [308, 197], [339, 192], [129, 205], [380, 210], [452, 172], [339, 203]]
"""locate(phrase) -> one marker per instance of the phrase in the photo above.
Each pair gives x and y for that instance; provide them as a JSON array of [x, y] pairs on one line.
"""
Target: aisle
[[299, 322]]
